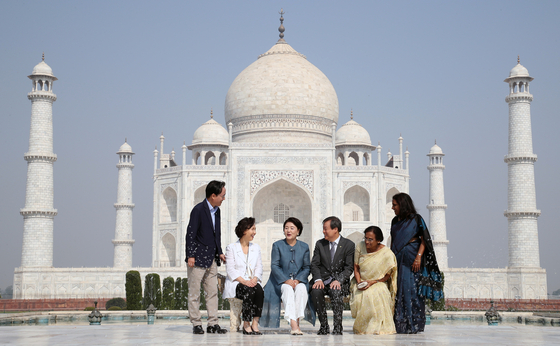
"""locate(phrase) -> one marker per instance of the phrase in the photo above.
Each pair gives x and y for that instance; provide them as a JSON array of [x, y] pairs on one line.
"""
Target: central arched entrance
[[272, 205]]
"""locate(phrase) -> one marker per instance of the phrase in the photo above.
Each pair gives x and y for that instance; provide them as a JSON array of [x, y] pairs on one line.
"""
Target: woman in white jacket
[[244, 275]]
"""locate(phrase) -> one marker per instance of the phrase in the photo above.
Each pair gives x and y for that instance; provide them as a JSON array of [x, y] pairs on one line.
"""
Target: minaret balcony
[[123, 241], [522, 158], [522, 96], [33, 212], [120, 206], [529, 214], [42, 95], [40, 157], [125, 165]]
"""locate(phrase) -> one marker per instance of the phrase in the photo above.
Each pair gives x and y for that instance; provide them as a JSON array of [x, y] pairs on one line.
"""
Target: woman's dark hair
[[296, 223], [406, 206], [243, 225], [376, 231], [334, 223], [214, 188]]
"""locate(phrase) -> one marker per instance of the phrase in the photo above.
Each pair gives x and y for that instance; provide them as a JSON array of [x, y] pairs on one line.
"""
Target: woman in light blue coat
[[288, 283]]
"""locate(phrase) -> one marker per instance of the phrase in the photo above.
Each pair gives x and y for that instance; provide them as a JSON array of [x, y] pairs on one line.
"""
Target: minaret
[[38, 213], [437, 206], [522, 210], [123, 241]]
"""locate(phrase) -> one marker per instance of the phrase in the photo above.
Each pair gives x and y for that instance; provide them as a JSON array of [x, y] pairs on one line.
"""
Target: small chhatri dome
[[519, 71], [42, 69], [125, 149], [436, 150], [211, 132], [352, 133]]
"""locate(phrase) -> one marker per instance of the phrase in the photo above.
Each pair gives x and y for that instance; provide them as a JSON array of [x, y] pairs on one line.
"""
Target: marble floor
[[181, 334]]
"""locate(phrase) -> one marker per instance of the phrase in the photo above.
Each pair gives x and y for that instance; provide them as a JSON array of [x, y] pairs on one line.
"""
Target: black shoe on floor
[[215, 329], [324, 330], [337, 331], [197, 330]]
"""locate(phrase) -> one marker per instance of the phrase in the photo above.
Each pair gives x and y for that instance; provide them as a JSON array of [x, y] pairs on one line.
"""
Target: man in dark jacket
[[331, 266], [204, 253]]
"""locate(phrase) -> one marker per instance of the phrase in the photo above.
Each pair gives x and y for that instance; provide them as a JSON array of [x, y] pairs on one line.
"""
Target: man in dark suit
[[204, 253], [331, 266]]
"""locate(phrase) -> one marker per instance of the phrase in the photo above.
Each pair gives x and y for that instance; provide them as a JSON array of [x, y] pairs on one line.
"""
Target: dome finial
[[281, 29], [43, 56], [125, 139], [435, 141], [211, 113], [351, 114], [518, 59]]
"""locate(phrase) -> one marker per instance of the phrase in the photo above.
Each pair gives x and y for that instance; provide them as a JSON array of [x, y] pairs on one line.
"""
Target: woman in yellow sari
[[373, 289]]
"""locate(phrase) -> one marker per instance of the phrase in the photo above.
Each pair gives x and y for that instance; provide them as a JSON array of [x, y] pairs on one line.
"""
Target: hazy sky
[[426, 69]]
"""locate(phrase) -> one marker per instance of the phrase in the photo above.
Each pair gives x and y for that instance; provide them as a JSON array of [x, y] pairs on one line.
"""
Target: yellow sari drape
[[373, 308]]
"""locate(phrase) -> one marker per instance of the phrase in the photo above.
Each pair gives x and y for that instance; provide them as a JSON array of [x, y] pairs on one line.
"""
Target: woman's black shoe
[[256, 333], [245, 332]]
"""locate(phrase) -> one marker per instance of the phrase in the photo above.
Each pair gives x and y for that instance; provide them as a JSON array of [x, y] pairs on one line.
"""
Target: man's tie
[[333, 250]]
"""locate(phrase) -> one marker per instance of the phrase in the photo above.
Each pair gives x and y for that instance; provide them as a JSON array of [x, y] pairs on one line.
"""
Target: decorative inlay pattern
[[399, 187], [281, 161], [162, 232], [199, 183], [304, 178], [348, 184], [162, 187]]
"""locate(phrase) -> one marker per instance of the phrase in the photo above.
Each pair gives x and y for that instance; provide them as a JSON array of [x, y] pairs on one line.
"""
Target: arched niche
[[356, 237], [209, 159], [340, 160], [167, 251], [265, 201], [199, 195], [356, 204], [353, 159], [168, 207], [223, 159], [389, 213]]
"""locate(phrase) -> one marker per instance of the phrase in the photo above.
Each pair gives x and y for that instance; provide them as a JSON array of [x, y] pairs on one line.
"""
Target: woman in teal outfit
[[288, 283]]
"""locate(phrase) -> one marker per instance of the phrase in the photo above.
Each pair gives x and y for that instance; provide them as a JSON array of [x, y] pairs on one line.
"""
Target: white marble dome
[[211, 132], [125, 148], [281, 92], [435, 150], [42, 69], [518, 71], [352, 133]]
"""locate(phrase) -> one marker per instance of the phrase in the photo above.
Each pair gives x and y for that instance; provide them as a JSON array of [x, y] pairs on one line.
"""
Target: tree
[[133, 288], [168, 298], [555, 293], [178, 292], [152, 291]]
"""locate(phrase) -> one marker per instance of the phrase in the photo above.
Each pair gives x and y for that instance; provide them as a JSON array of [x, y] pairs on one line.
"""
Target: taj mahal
[[282, 153]]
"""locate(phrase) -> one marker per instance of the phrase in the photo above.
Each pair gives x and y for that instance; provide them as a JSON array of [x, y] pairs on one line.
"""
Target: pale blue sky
[[429, 69]]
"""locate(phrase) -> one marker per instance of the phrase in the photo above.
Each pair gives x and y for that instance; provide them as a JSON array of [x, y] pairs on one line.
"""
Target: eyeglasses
[[369, 240]]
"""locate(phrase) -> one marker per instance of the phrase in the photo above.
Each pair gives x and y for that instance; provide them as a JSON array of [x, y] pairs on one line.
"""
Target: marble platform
[[180, 333]]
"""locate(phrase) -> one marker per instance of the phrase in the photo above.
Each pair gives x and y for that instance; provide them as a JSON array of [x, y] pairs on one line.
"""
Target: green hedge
[[168, 298], [177, 294], [118, 302], [133, 290], [152, 291], [184, 294], [440, 304]]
